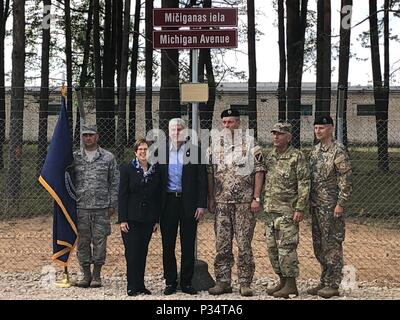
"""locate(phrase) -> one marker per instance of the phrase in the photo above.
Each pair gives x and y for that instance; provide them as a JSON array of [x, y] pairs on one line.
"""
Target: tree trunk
[[118, 34], [344, 58], [386, 41], [380, 93], [121, 130], [97, 68], [149, 66], [296, 25], [323, 83], [282, 63], [83, 79], [206, 110], [134, 71], [17, 102], [169, 91], [68, 56], [4, 8], [44, 92], [107, 123], [252, 83]]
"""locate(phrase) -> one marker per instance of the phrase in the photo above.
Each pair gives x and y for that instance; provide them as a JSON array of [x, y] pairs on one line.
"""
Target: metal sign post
[[195, 79]]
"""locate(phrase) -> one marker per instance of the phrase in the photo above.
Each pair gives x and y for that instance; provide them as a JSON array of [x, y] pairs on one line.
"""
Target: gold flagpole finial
[[64, 282]]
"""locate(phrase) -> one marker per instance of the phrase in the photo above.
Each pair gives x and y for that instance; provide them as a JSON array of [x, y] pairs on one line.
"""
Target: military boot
[[314, 291], [290, 288], [220, 288], [328, 292], [86, 279], [245, 290], [278, 286], [96, 279]]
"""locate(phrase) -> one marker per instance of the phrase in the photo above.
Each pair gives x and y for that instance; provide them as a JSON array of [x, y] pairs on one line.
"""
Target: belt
[[175, 194]]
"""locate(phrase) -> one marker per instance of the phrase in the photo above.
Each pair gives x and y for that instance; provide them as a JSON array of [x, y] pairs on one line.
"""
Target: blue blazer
[[139, 200], [194, 183]]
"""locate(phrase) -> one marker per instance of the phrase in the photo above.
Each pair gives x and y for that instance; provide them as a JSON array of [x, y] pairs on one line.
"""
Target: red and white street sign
[[195, 39], [195, 17]]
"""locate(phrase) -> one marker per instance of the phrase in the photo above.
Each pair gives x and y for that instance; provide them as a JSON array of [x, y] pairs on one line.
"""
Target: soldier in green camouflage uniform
[[235, 174], [96, 186], [330, 190], [287, 188]]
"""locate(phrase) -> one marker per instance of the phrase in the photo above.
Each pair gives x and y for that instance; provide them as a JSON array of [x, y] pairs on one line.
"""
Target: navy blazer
[[194, 182], [139, 200]]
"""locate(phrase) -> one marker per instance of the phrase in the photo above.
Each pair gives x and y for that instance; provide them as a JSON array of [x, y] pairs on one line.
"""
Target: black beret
[[323, 120], [230, 113]]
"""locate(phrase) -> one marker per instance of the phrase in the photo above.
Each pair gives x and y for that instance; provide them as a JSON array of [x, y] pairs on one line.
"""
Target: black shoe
[[188, 290], [169, 289], [145, 291], [132, 292]]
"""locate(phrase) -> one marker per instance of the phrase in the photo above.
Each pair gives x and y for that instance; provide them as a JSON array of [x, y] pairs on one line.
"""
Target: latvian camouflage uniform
[[233, 165], [96, 185], [287, 188], [331, 175]]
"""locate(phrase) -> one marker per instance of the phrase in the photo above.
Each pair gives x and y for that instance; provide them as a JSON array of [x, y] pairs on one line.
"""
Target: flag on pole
[[56, 178]]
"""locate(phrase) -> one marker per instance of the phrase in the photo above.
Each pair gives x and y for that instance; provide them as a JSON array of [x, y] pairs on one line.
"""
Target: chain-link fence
[[372, 229]]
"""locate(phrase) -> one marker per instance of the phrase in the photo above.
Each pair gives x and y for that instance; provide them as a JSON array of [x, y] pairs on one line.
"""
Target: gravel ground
[[35, 286], [26, 246]]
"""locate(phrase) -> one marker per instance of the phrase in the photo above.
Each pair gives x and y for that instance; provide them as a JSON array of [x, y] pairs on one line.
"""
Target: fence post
[[340, 111], [82, 114]]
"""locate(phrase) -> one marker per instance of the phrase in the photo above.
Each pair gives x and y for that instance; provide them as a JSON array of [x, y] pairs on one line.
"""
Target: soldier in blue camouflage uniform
[[287, 187], [235, 176], [331, 175], [96, 186]]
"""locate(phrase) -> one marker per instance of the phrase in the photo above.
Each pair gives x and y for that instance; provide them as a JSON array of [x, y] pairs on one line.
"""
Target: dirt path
[[25, 246]]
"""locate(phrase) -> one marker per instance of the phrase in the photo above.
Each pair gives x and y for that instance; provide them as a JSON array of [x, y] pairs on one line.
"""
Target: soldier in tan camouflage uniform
[[96, 186], [287, 188], [330, 190], [235, 174]]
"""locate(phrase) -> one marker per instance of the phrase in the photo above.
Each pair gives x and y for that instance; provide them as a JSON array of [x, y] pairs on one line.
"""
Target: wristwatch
[[257, 199]]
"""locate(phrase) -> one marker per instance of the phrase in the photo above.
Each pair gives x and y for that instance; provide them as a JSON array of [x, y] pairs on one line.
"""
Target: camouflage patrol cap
[[323, 120], [230, 113], [89, 129], [282, 127]]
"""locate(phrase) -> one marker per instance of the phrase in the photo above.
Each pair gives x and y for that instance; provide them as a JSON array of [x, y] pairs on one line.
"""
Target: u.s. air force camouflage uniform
[[331, 175], [96, 186], [233, 165], [287, 187]]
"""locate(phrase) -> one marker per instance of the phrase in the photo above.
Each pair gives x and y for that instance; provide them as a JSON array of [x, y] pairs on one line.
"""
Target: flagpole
[[64, 282]]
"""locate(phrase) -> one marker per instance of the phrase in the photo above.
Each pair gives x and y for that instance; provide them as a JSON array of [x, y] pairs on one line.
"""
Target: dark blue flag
[[56, 179]]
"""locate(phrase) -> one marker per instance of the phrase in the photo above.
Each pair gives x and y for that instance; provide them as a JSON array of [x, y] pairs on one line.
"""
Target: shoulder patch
[[259, 157]]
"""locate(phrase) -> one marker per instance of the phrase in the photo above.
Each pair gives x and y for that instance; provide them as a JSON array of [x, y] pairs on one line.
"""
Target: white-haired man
[[184, 181]]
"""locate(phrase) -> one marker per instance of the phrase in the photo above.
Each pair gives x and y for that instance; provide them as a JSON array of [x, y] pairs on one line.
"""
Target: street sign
[[195, 17], [194, 92], [195, 39]]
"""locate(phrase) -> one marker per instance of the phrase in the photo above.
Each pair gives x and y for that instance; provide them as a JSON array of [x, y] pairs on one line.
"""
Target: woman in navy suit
[[138, 213]]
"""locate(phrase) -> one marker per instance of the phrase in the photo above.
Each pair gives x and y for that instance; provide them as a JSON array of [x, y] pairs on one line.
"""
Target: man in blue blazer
[[184, 199]]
